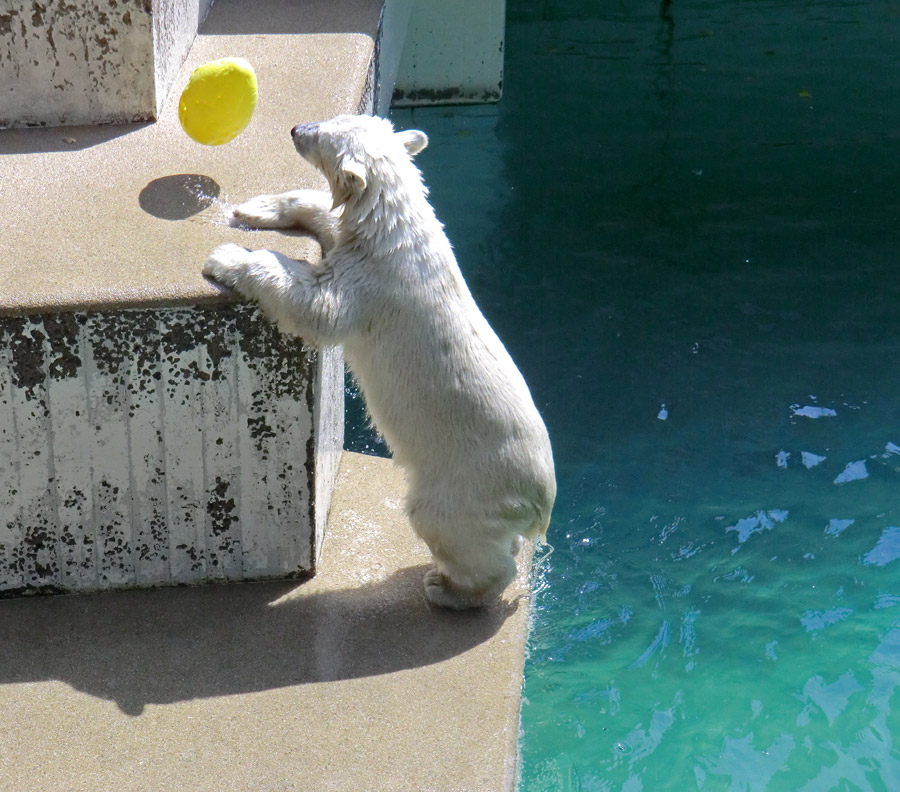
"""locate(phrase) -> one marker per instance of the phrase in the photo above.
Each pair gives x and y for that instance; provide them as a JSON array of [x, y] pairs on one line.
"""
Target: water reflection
[[812, 412], [886, 550], [810, 460], [757, 523], [813, 621], [855, 471], [831, 699], [836, 526], [749, 768]]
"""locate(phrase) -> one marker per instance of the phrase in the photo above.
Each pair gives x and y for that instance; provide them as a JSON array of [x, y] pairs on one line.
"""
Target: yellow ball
[[218, 101]]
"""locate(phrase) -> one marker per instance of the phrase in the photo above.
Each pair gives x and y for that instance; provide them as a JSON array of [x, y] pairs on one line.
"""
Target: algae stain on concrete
[[146, 447]]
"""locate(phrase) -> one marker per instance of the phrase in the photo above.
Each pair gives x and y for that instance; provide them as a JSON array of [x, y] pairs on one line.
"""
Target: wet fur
[[438, 383]]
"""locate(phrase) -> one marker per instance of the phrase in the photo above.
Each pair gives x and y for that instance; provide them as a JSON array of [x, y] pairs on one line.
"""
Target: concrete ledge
[[348, 682], [100, 218], [175, 445]]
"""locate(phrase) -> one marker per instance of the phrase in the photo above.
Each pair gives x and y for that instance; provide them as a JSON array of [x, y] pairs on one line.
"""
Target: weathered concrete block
[[452, 53], [145, 447], [91, 61]]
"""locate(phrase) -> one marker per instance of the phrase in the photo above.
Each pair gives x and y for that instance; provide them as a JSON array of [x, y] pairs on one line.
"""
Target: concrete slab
[[348, 682], [124, 215]]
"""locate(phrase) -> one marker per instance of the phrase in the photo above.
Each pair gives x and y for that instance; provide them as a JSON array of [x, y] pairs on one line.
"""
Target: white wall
[[453, 53]]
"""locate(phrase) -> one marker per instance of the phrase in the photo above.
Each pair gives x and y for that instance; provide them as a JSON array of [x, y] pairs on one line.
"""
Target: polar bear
[[438, 383]]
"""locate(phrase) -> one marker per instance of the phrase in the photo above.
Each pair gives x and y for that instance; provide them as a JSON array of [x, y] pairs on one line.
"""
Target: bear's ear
[[413, 141], [351, 180]]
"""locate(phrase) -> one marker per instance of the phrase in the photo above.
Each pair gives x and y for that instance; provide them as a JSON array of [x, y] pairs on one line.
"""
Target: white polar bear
[[438, 383]]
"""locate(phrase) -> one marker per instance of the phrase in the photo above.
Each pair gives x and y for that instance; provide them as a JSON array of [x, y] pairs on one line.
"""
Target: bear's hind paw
[[441, 592]]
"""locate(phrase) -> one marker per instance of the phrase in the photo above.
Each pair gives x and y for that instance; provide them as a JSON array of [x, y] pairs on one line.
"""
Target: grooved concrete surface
[[349, 682]]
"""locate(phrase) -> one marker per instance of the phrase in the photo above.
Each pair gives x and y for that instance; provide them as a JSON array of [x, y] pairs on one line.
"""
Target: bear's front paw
[[264, 211], [226, 264]]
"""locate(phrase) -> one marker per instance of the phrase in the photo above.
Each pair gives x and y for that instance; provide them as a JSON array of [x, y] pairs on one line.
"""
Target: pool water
[[684, 222]]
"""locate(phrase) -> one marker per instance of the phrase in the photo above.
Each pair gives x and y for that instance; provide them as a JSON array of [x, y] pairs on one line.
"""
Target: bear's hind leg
[[470, 569]]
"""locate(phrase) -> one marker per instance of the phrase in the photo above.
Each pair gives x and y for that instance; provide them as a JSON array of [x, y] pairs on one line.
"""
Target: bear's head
[[353, 151]]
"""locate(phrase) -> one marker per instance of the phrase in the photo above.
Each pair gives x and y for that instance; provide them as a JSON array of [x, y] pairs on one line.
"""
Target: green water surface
[[684, 221]]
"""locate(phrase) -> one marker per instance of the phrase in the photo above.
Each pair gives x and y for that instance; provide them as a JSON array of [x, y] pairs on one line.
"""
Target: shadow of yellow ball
[[218, 101]]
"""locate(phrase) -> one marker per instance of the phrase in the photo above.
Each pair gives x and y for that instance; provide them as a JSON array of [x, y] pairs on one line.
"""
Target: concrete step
[[349, 682]]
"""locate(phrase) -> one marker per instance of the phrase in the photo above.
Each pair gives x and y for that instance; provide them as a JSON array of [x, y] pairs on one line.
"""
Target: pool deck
[[349, 681]]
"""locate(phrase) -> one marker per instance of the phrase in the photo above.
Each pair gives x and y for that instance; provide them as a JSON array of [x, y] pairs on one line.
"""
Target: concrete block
[[453, 53], [65, 62], [147, 447]]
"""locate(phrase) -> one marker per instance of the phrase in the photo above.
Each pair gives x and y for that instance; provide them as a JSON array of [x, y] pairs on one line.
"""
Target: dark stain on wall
[[26, 343], [87, 528]]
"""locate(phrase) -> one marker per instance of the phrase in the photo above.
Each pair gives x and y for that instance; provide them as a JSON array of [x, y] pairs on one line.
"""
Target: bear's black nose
[[301, 129]]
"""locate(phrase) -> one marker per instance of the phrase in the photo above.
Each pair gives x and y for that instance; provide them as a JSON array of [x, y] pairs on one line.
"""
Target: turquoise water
[[684, 221]]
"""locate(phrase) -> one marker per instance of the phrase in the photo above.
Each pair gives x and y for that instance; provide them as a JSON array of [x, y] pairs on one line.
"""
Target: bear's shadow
[[165, 645]]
